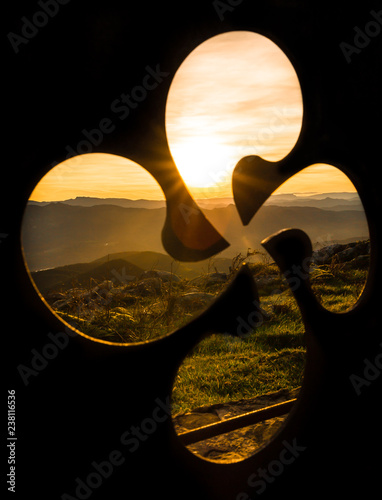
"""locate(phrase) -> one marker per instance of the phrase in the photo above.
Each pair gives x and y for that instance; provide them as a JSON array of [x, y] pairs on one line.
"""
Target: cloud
[[236, 87], [237, 91]]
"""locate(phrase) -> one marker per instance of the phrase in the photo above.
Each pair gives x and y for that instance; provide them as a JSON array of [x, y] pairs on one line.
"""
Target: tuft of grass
[[338, 287], [222, 370]]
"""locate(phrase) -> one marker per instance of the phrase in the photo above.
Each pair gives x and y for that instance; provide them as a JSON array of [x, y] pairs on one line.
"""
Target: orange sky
[[236, 94]]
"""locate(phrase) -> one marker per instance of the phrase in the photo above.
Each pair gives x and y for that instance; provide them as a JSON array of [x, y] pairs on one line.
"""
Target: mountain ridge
[[319, 200], [58, 234]]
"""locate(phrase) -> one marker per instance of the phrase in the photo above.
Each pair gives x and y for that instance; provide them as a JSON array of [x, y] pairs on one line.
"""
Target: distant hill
[[84, 275], [332, 202], [120, 267], [59, 234], [163, 262], [322, 226], [312, 200], [88, 201]]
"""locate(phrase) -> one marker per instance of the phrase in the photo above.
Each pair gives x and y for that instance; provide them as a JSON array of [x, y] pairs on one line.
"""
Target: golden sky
[[97, 175], [236, 94]]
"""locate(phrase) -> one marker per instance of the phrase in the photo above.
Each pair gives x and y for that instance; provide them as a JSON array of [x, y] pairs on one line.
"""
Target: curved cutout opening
[[236, 94], [325, 204], [225, 377], [91, 237], [243, 389]]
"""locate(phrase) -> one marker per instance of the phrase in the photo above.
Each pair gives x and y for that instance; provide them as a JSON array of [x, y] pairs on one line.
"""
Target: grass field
[[221, 368]]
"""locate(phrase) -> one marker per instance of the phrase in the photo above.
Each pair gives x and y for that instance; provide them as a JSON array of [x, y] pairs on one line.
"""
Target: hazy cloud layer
[[241, 92]]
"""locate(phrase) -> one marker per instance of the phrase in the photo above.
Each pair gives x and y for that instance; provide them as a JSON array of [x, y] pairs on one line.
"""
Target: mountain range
[[63, 233], [334, 201]]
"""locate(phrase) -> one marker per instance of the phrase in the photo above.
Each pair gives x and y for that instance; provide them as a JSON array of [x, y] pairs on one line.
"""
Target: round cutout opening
[[91, 238], [236, 94], [227, 377]]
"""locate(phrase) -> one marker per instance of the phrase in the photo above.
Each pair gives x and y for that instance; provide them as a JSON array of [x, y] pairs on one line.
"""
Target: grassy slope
[[223, 368]]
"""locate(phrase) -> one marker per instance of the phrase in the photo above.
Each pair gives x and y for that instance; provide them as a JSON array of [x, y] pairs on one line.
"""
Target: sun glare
[[203, 162], [236, 94]]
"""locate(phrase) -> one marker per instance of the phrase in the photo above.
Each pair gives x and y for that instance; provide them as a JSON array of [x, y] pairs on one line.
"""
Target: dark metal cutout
[[76, 408]]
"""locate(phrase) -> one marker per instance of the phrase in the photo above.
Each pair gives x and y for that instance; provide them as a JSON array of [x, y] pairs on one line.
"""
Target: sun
[[236, 94], [203, 162]]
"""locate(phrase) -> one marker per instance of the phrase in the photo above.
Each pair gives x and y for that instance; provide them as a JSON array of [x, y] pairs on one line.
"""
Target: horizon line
[[298, 194]]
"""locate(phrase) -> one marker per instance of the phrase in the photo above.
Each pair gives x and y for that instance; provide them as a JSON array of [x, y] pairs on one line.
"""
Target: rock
[[241, 443], [346, 255], [195, 300], [194, 420], [325, 254], [107, 284], [217, 278], [360, 262], [148, 275], [146, 287], [237, 445], [341, 253], [350, 253], [210, 279], [102, 292], [165, 276]]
